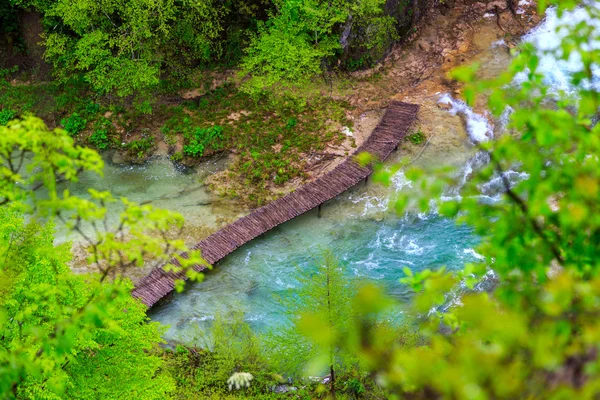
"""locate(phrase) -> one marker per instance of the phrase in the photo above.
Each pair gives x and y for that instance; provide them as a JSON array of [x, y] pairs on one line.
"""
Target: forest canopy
[[125, 48]]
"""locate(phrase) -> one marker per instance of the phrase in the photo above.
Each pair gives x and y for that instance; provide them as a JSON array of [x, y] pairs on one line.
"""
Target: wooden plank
[[392, 128]]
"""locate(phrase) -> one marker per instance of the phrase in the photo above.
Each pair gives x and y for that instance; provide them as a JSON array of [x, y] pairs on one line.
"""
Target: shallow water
[[370, 241], [249, 279], [160, 183]]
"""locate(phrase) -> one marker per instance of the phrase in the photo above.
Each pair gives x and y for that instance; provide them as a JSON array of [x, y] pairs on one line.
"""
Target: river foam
[[478, 126], [547, 39], [248, 279]]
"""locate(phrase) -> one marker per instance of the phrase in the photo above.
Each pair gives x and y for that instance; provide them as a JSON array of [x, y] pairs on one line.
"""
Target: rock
[[283, 389], [497, 6], [423, 45], [191, 94], [445, 106], [118, 158]]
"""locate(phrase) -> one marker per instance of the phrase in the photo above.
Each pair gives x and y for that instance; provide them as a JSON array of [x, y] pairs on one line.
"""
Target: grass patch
[[140, 148], [417, 138], [272, 141]]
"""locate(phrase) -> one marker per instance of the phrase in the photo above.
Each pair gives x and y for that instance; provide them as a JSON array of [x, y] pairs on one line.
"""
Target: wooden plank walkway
[[383, 140]]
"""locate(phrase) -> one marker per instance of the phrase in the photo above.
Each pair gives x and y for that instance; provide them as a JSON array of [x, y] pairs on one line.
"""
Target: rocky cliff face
[[358, 52], [359, 49]]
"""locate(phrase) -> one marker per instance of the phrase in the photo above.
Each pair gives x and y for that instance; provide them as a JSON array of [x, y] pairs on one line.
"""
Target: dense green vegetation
[[260, 58], [126, 48], [62, 335]]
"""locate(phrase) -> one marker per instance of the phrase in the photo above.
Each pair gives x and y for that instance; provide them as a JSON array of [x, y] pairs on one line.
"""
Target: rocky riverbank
[[415, 72]]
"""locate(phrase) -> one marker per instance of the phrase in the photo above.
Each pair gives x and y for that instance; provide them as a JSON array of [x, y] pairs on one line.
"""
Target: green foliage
[[230, 346], [291, 123], [271, 143], [100, 139], [323, 304], [143, 106], [82, 348], [65, 335], [52, 157], [322, 331], [289, 49], [536, 334], [362, 62], [355, 387], [92, 108], [127, 48], [201, 138], [6, 115], [122, 47], [74, 124], [416, 138], [177, 156], [140, 147], [6, 73], [9, 18]]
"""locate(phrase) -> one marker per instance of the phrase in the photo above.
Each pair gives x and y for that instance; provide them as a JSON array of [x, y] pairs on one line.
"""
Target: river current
[[370, 241]]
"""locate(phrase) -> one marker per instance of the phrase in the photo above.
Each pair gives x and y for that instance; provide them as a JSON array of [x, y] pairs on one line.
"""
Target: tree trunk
[[32, 29], [332, 389]]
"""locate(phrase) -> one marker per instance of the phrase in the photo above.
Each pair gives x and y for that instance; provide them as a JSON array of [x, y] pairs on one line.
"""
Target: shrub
[[74, 124], [6, 72], [92, 108], [6, 115], [201, 138], [355, 387], [177, 156], [100, 139], [140, 147], [416, 138]]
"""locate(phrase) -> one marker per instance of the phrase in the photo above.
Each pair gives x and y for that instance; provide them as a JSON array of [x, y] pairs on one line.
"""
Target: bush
[[416, 138], [74, 124], [100, 139], [230, 346], [177, 156], [5, 73], [92, 108], [140, 147], [355, 387], [201, 138], [6, 115]]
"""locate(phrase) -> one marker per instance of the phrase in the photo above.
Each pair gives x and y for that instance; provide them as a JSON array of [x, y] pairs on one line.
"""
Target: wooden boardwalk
[[385, 138]]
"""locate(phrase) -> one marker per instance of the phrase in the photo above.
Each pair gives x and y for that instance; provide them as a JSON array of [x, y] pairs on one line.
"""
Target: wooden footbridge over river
[[385, 138]]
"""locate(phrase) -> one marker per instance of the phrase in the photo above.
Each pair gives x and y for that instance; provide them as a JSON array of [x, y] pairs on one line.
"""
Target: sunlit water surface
[[371, 242]]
